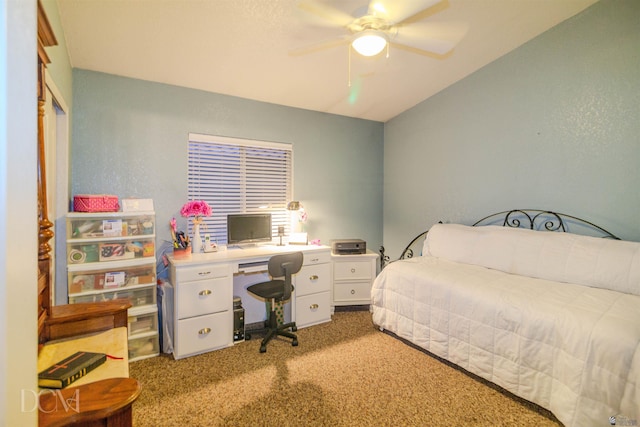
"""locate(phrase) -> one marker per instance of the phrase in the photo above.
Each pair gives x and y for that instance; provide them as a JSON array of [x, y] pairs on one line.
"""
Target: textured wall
[[130, 139], [553, 125]]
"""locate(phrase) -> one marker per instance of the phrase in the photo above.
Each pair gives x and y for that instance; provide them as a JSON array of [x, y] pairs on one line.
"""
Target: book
[[70, 369]]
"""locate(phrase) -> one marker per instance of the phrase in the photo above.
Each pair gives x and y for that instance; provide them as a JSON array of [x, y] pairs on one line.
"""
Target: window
[[239, 176]]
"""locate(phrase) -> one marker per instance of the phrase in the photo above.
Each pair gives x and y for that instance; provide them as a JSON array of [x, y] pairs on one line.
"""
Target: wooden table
[[102, 403], [103, 397]]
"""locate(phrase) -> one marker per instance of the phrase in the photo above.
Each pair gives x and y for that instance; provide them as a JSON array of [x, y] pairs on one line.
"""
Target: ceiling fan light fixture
[[369, 42]]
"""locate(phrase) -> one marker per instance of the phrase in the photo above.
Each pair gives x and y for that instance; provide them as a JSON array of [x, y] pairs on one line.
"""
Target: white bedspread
[[570, 348]]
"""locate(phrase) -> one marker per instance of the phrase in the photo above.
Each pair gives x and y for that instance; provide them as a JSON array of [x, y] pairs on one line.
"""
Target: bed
[[523, 301]]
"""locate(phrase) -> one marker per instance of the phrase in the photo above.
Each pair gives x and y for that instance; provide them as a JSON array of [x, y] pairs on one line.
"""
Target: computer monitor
[[248, 228]]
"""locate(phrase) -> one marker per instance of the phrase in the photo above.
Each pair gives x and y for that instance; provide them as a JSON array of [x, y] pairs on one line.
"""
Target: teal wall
[[130, 139], [553, 125]]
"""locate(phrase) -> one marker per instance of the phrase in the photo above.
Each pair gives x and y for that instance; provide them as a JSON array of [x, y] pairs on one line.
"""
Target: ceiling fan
[[384, 23]]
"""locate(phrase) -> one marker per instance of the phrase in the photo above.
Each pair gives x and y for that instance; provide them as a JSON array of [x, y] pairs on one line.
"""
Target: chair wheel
[[294, 343], [263, 349], [294, 328]]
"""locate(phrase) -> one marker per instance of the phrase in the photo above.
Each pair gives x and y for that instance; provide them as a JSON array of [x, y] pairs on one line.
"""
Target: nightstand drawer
[[352, 270], [204, 333], [203, 297], [313, 309], [312, 279], [352, 291]]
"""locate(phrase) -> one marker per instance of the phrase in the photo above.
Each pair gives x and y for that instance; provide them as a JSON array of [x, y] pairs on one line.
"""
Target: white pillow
[[564, 257]]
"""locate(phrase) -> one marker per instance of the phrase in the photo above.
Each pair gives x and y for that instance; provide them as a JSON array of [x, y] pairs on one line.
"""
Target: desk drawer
[[204, 297], [204, 333], [353, 270], [312, 279], [316, 258], [201, 272], [313, 309]]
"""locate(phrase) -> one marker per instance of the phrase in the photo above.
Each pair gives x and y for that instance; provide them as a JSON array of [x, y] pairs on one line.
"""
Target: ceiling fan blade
[[422, 52], [326, 12], [326, 44], [397, 11], [436, 37]]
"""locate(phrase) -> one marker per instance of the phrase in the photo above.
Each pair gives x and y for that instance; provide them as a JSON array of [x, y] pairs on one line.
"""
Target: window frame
[[274, 160]]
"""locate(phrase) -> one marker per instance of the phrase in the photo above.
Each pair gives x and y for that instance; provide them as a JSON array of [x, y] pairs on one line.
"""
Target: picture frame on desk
[[298, 239]]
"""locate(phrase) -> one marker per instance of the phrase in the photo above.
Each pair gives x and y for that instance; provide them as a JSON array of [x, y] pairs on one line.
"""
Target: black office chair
[[278, 289]]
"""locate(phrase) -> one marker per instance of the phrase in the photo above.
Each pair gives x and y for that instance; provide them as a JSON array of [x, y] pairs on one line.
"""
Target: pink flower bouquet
[[197, 208]]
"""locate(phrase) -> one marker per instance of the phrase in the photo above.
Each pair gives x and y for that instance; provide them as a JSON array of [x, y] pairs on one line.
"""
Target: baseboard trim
[[364, 307]]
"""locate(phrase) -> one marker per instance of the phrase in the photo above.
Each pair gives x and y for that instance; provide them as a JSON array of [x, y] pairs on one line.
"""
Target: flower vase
[[196, 242]]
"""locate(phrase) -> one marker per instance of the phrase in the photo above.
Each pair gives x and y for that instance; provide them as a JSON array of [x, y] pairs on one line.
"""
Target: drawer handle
[[204, 273], [204, 331], [205, 292], [313, 306], [315, 259], [314, 277], [353, 291], [353, 270]]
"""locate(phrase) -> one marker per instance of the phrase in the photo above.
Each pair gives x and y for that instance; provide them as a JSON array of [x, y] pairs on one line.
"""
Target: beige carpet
[[343, 373]]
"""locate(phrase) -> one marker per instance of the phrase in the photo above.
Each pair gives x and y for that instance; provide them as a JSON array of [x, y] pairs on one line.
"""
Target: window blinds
[[239, 176]]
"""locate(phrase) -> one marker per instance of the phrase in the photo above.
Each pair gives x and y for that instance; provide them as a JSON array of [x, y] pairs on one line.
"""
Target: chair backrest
[[285, 265]]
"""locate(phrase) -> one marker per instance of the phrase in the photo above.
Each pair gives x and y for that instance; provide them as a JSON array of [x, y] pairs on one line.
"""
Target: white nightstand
[[352, 278]]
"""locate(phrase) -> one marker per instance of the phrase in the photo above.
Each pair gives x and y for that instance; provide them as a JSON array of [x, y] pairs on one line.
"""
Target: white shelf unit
[[111, 255]]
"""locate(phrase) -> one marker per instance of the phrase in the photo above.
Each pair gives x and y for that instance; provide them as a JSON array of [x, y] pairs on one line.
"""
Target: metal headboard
[[533, 219]]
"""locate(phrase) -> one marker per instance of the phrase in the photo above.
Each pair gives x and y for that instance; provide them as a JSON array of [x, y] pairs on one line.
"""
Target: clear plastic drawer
[[147, 346], [105, 225], [138, 296], [100, 279], [115, 249], [142, 323]]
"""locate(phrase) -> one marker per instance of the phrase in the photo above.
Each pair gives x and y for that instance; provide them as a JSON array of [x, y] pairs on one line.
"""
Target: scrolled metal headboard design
[[533, 219], [553, 221]]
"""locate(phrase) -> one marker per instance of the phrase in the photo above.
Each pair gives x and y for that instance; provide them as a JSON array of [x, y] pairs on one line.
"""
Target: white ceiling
[[243, 48]]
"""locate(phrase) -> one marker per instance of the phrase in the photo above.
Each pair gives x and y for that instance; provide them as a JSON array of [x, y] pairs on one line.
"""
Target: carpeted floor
[[343, 373]]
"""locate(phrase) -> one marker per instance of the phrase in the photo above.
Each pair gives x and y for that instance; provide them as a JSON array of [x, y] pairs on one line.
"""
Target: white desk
[[205, 284]]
